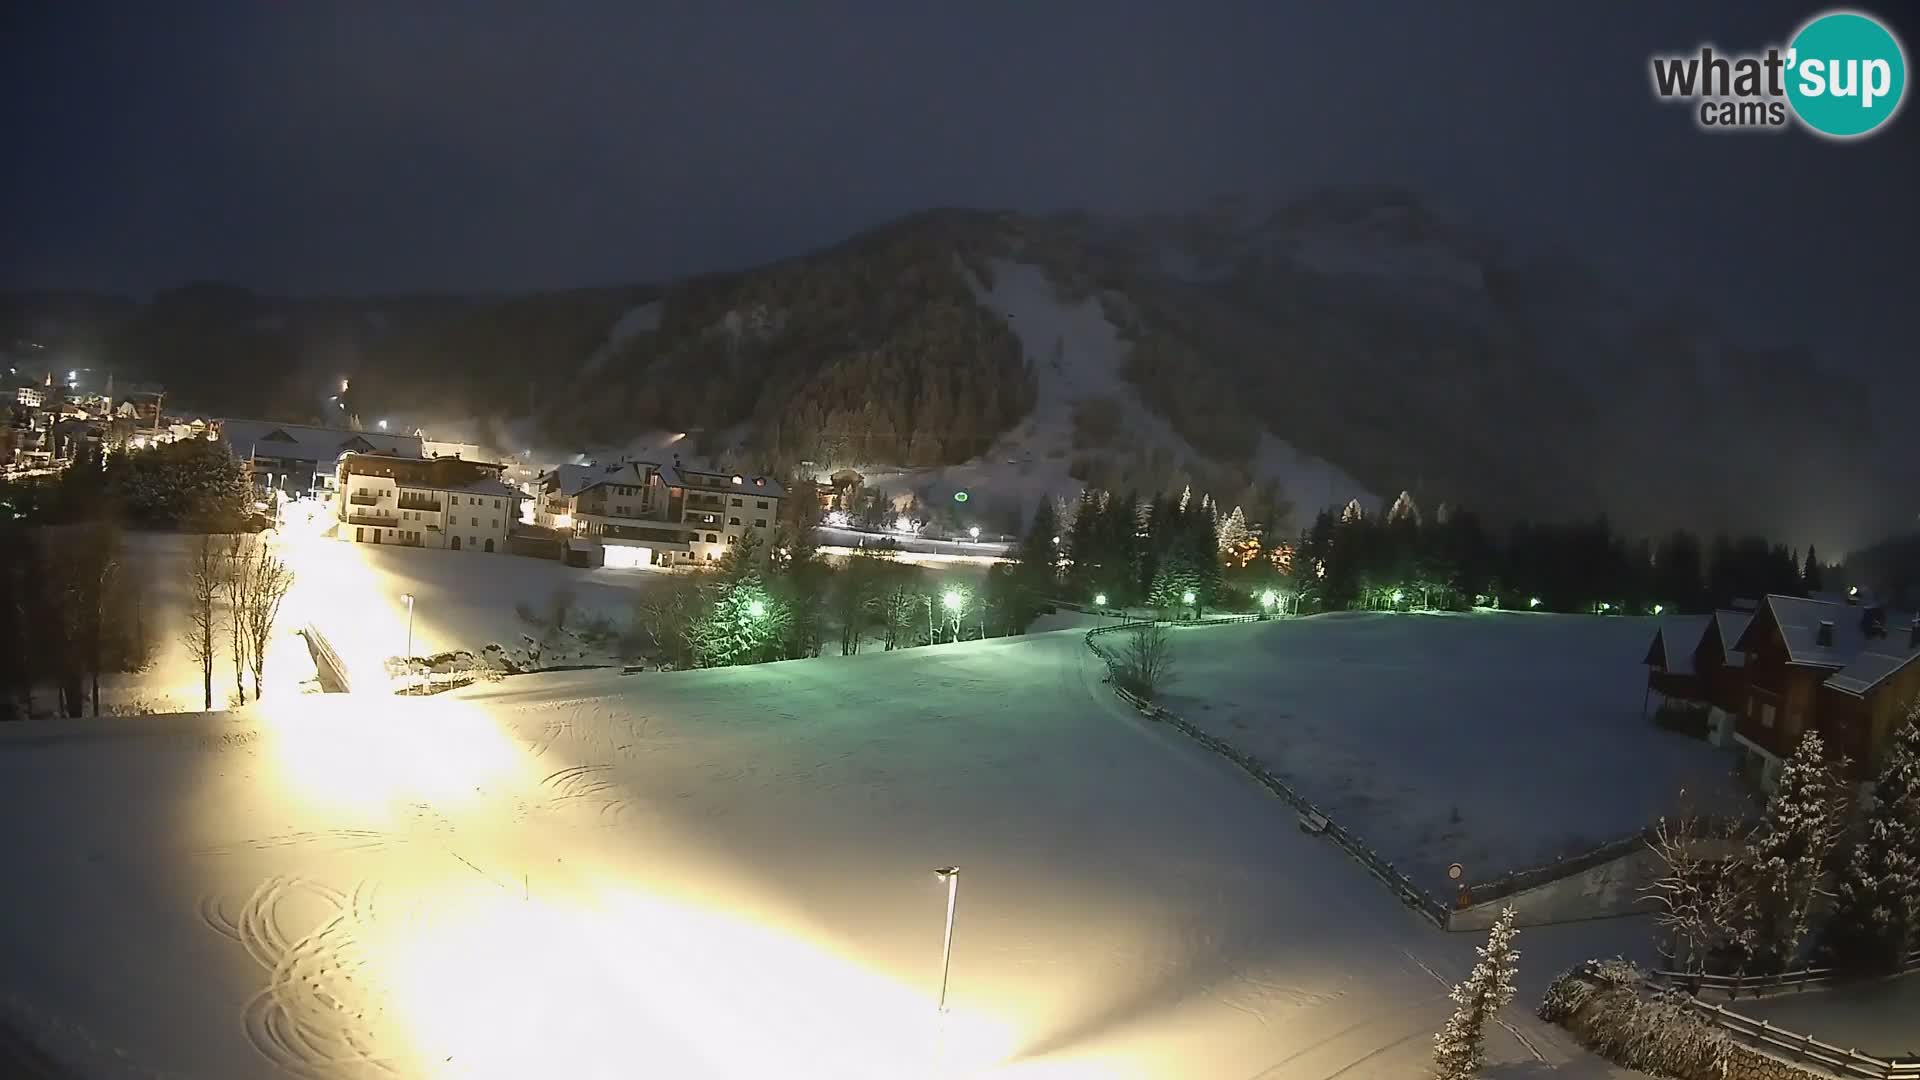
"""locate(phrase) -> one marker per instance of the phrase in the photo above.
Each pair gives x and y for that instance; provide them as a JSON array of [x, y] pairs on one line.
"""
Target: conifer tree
[[1876, 916], [1459, 1050], [1802, 823]]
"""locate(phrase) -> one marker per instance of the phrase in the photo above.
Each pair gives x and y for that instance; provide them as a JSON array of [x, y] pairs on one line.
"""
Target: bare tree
[[268, 582], [1700, 898], [203, 572], [236, 585], [1146, 660], [666, 614]]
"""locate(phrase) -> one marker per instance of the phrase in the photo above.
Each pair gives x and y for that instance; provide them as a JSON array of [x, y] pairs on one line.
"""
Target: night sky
[[362, 147]]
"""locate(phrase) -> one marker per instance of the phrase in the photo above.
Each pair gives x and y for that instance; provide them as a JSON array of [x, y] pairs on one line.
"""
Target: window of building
[[760, 504], [496, 523], [759, 523], [1766, 716], [733, 521], [729, 538], [475, 521], [472, 541], [712, 539], [496, 504], [710, 556], [736, 502]]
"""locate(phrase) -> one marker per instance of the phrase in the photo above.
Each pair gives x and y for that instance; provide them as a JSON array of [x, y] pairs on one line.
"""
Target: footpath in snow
[[707, 874]]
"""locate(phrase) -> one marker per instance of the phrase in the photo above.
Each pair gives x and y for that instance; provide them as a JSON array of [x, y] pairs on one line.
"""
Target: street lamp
[[1658, 608], [950, 875], [1269, 599], [1099, 599], [408, 597], [973, 531], [757, 608], [1533, 602], [1398, 596]]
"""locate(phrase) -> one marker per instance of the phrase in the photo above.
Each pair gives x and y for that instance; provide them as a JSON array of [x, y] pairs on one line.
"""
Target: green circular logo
[[1846, 74], [960, 496]]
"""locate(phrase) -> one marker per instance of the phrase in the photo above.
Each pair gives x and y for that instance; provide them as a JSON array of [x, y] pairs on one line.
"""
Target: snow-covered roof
[[1674, 642], [1731, 624], [1799, 620], [1880, 658], [571, 480], [300, 442], [693, 475], [487, 487]]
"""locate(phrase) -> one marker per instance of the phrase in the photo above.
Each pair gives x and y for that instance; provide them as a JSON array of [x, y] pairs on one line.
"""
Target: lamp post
[[1187, 599], [973, 531], [408, 597], [1267, 600], [953, 601], [950, 875]]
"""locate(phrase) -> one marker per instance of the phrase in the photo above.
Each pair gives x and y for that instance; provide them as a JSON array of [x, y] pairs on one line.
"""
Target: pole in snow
[[950, 875], [408, 597]]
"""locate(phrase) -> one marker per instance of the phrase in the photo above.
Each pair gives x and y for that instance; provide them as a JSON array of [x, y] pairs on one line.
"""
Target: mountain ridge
[[1352, 327]]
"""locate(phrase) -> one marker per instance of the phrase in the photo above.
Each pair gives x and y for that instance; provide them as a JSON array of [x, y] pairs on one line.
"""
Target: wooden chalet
[[1844, 668]]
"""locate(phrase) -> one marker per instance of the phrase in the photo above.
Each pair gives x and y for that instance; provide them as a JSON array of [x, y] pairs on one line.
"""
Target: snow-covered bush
[[1602, 1004]]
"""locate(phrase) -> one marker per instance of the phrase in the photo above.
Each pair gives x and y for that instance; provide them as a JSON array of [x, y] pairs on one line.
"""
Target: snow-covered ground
[[1881, 1018], [1495, 740], [713, 873], [356, 594]]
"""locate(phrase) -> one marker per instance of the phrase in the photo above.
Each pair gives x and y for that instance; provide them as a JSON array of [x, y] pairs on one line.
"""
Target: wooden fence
[[1410, 894], [1795, 1046], [1733, 986]]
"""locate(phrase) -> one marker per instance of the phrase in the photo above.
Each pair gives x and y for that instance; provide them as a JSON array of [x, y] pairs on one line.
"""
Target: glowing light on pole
[[973, 531], [950, 875], [1658, 608], [757, 608], [1533, 602], [1269, 599]]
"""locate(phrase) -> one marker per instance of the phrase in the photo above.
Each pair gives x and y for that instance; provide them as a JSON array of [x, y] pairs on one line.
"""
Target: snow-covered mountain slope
[[642, 318], [1078, 357]]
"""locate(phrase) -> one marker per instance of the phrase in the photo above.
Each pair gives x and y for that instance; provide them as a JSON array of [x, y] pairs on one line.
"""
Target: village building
[[449, 503], [301, 460], [633, 513]]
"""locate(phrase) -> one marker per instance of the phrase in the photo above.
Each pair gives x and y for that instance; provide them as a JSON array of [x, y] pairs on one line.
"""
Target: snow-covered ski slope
[[706, 874], [1078, 355]]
